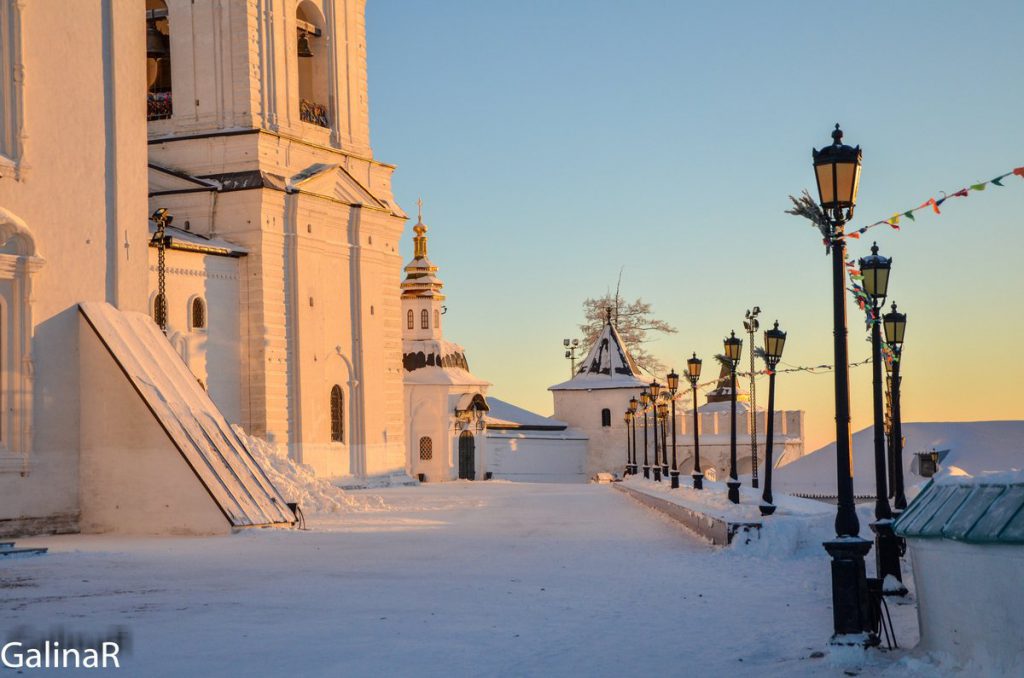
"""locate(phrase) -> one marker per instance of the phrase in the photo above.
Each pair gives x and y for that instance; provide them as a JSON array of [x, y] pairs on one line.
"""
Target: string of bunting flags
[[935, 203], [683, 394]]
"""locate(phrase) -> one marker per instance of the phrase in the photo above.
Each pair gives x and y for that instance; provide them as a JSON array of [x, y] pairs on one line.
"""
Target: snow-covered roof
[[505, 415], [189, 241], [607, 365], [219, 458], [452, 376], [976, 447], [987, 509]]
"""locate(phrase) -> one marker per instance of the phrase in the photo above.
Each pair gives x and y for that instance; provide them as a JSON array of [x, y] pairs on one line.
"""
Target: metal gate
[[467, 456]]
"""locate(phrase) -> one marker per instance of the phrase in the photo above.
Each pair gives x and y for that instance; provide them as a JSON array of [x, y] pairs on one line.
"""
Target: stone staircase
[[8, 550]]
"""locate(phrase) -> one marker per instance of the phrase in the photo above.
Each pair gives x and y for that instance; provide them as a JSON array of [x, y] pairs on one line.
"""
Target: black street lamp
[[876, 269], [645, 400], [634, 404], [895, 327], [673, 387], [774, 341], [663, 418], [693, 373], [733, 350], [627, 418], [837, 170], [655, 389]]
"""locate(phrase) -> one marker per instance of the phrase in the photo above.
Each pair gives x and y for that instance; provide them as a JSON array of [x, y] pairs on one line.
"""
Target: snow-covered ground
[[453, 579]]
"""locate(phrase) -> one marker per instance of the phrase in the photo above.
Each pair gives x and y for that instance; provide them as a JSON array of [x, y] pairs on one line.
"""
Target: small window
[[410, 320], [198, 314], [426, 448], [437, 318], [606, 417], [160, 310], [337, 415], [424, 319]]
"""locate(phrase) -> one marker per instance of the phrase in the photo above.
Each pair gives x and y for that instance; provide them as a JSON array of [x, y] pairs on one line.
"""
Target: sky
[[557, 143]]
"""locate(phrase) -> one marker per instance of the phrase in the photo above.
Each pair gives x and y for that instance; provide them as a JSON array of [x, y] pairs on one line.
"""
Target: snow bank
[[299, 483]]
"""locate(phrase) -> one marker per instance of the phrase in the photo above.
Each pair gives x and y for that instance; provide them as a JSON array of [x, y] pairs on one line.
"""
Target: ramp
[[123, 450]]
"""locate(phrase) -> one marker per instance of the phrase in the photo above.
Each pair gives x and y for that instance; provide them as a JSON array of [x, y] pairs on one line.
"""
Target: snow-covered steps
[[8, 550]]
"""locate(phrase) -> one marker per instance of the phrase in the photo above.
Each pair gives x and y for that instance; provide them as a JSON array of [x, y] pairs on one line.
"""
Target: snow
[[299, 483], [452, 579], [506, 414], [975, 447]]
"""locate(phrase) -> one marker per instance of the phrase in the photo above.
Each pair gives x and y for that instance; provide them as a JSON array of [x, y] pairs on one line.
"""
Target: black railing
[[158, 106]]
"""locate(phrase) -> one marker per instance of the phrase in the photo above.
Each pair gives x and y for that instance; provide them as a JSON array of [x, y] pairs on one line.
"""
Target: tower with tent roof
[[596, 398]]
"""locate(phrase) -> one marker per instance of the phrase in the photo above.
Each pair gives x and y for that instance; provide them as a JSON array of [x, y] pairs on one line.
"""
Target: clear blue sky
[[555, 142]]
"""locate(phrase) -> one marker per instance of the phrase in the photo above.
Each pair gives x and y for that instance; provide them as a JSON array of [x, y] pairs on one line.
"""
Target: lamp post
[[733, 350], [751, 325], [571, 346], [673, 387], [774, 341], [876, 269], [655, 389], [895, 327], [837, 170], [626, 418], [645, 400], [663, 418], [633, 405], [693, 374]]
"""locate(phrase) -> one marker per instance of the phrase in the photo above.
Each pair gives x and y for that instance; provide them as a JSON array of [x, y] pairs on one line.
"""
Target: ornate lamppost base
[[675, 478], [647, 471], [664, 470], [734, 491], [851, 607], [888, 548], [767, 509], [698, 481], [657, 473]]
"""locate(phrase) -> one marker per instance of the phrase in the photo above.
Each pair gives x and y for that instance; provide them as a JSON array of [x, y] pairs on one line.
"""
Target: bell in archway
[[304, 50], [156, 42]]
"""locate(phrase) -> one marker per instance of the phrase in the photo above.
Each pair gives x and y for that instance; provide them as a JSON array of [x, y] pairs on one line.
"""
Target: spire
[[420, 229]]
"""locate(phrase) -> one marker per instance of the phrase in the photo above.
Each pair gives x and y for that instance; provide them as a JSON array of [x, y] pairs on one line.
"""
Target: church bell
[[156, 42], [304, 46]]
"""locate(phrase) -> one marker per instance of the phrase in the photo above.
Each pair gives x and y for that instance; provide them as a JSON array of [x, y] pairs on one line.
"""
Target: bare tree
[[633, 319]]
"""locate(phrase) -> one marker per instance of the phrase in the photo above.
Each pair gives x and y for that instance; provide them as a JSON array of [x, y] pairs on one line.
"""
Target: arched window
[[312, 52], [426, 448], [410, 320], [606, 417], [158, 61], [160, 310], [424, 319], [197, 314], [337, 415], [437, 318]]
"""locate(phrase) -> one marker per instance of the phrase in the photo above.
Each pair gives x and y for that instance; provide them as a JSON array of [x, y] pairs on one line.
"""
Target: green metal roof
[[980, 513]]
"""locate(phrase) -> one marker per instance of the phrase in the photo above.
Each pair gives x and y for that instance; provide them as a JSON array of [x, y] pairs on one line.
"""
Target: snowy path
[[456, 579]]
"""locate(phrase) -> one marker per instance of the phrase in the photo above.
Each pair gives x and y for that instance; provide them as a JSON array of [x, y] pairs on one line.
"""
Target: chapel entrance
[[467, 456]]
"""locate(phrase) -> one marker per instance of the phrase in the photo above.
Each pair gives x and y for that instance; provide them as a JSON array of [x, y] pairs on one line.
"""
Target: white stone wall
[[79, 200], [537, 456], [970, 603]]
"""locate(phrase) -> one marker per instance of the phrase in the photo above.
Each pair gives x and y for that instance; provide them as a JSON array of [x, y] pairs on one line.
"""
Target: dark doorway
[[467, 456]]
